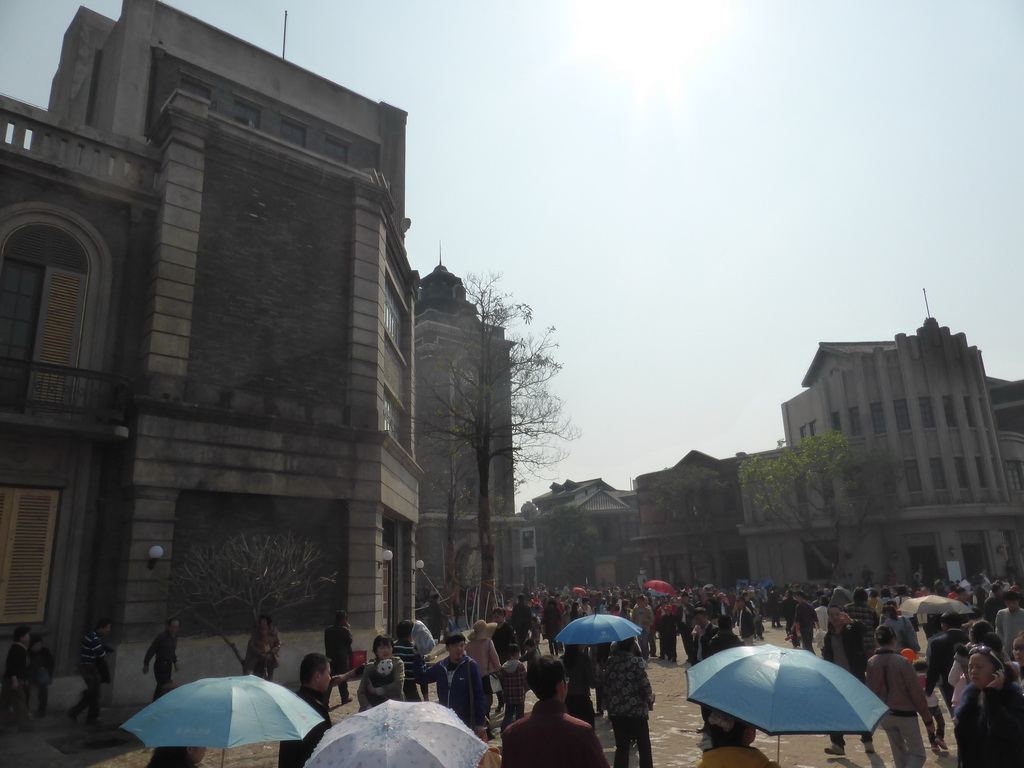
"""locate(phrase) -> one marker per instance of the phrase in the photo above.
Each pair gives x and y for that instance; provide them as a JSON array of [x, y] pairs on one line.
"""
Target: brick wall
[[272, 283]]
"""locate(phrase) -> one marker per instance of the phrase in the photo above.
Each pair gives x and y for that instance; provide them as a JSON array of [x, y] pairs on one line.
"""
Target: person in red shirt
[[549, 737]]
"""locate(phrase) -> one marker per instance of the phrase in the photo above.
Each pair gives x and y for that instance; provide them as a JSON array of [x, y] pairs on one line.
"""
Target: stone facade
[[240, 352], [955, 433]]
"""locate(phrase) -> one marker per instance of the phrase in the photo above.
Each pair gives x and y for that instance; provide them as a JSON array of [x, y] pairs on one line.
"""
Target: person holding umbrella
[[315, 682], [731, 741], [629, 700]]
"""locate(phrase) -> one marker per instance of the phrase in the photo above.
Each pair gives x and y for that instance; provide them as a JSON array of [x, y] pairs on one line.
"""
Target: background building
[[447, 327], [689, 520], [955, 435], [615, 556], [206, 329]]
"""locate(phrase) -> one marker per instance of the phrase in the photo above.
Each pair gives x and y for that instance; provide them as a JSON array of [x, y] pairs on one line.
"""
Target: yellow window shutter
[[59, 328], [27, 521]]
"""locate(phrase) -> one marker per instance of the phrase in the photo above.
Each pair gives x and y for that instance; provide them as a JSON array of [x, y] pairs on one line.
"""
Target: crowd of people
[[965, 677]]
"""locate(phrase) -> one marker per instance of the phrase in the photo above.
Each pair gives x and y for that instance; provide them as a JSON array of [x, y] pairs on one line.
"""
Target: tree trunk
[[485, 599], [451, 567]]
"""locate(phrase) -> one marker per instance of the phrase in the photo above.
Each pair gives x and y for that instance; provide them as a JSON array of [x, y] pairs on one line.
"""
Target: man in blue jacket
[[459, 686]]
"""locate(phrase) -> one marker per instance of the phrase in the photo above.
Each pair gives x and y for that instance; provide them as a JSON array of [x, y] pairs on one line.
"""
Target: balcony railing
[[55, 391]]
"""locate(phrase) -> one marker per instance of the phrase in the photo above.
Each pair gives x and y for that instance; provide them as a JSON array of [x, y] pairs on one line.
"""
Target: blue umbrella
[[599, 628], [784, 690], [223, 712]]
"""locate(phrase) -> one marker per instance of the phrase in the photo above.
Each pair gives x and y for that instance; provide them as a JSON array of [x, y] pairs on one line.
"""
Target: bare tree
[[257, 573], [492, 400]]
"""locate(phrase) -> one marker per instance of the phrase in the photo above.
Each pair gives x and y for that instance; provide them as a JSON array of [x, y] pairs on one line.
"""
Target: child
[[512, 677], [40, 672], [530, 651], [937, 737]]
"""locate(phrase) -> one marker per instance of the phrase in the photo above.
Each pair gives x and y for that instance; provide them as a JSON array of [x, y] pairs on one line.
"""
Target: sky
[[694, 194]]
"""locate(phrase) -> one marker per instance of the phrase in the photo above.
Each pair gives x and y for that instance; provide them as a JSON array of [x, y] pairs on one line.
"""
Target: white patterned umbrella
[[399, 734]]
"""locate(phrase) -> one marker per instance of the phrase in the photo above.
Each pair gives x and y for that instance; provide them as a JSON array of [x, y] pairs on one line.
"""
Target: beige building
[[957, 437], [206, 329]]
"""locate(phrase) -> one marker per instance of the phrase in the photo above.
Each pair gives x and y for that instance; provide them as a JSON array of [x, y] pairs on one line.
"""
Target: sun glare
[[650, 45]]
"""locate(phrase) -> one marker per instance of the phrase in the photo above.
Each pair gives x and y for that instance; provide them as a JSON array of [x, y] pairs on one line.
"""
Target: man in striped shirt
[[92, 665]]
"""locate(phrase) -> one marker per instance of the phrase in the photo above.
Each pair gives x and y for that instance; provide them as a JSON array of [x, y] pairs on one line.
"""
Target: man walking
[[15, 682], [804, 621], [164, 651], [643, 617], [459, 686], [338, 648], [92, 666], [549, 737], [1010, 620]]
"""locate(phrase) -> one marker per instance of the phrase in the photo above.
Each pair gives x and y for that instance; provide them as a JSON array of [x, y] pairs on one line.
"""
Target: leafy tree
[[689, 498], [824, 490], [257, 573], [570, 544], [493, 402]]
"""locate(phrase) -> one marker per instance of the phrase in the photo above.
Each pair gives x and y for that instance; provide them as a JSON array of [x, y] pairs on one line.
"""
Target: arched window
[[43, 276]]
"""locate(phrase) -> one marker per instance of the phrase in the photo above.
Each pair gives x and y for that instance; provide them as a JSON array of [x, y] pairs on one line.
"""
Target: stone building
[[956, 435], [206, 329], [613, 513], [447, 329], [689, 520]]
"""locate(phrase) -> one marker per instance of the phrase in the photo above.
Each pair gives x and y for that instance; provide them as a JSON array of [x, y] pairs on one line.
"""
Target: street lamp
[[386, 557]]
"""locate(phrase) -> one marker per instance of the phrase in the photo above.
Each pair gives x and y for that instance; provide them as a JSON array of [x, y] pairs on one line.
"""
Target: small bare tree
[[257, 573], [494, 401]]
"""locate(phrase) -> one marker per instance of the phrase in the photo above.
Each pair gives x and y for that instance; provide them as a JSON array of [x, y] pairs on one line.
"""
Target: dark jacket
[[338, 648], [702, 645], [294, 754], [550, 738], [852, 638], [990, 728], [723, 640], [940, 658]]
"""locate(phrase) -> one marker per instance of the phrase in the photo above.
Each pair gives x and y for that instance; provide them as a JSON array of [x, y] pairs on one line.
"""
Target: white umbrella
[[933, 604], [399, 734]]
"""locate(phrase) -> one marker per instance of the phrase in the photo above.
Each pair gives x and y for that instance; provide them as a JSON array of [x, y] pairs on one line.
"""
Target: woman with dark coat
[[552, 620], [990, 719], [580, 670]]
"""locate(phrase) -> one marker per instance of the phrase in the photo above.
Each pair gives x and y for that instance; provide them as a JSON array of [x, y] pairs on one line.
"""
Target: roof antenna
[[439, 253], [284, 38], [927, 311]]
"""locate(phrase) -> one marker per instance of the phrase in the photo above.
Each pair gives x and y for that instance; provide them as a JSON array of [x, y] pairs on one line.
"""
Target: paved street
[[57, 743]]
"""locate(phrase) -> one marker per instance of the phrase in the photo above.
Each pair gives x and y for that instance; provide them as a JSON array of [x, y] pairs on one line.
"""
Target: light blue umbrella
[[599, 628], [784, 690], [223, 712], [399, 734]]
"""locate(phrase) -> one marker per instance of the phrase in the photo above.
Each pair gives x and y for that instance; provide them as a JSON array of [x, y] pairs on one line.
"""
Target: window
[[902, 415], [938, 474], [803, 431], [246, 114], [960, 465], [392, 315], [42, 291], [949, 410], [878, 418], [927, 417], [854, 413], [336, 149], [912, 475], [528, 539], [812, 428], [968, 410], [979, 463], [27, 520], [293, 132], [391, 420], [1015, 475], [836, 424], [196, 88]]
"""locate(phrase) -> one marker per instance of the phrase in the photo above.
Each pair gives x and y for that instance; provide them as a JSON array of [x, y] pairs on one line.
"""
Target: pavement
[[57, 742]]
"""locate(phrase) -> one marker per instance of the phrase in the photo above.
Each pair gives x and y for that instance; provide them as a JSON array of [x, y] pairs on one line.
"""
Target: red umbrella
[[579, 591], [660, 586]]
